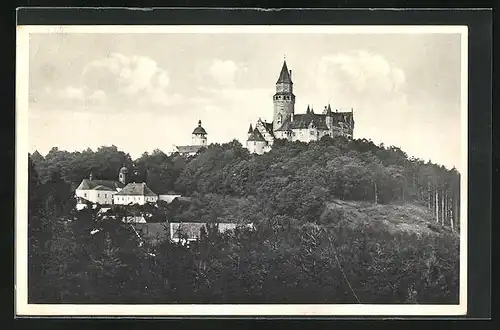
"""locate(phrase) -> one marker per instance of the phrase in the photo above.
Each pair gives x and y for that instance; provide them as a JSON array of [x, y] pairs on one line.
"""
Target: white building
[[96, 192], [135, 193], [198, 141]]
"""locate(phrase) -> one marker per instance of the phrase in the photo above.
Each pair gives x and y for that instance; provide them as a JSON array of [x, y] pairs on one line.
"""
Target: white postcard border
[[22, 308]]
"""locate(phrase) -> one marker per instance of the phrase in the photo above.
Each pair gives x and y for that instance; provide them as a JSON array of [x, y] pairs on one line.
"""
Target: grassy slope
[[410, 218]]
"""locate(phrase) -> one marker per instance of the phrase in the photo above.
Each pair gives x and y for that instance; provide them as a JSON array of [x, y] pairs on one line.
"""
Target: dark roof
[[199, 129], [286, 126], [92, 184], [188, 149], [269, 127], [284, 75], [256, 136], [342, 116], [103, 188], [304, 120], [250, 129], [136, 189]]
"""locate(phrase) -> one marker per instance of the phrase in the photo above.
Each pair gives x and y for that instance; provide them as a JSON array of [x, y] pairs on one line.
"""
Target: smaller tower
[[122, 176], [199, 136], [329, 118], [250, 131]]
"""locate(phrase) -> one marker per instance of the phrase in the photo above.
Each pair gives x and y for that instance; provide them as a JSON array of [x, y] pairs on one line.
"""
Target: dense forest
[[308, 246]]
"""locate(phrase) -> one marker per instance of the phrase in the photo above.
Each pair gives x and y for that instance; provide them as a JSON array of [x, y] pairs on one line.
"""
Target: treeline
[[81, 257], [294, 174], [290, 173], [156, 169], [300, 250]]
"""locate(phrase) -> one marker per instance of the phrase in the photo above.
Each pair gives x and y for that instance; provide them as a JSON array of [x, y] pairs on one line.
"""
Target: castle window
[[98, 195], [84, 194]]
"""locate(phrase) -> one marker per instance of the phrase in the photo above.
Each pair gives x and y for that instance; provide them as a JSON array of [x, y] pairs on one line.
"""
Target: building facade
[[135, 193], [97, 191], [198, 141], [290, 126]]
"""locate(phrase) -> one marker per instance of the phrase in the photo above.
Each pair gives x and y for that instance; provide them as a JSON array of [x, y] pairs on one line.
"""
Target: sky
[[142, 92]]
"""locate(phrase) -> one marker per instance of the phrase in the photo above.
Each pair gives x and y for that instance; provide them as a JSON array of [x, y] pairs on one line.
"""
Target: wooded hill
[[290, 176], [336, 221]]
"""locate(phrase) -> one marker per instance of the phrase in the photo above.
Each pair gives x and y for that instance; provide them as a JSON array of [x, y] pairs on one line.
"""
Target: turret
[[199, 136], [250, 130], [329, 118], [256, 142], [122, 176]]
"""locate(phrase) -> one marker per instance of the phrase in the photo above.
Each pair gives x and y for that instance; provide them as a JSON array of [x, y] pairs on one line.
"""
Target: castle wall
[[256, 147], [141, 200], [199, 140]]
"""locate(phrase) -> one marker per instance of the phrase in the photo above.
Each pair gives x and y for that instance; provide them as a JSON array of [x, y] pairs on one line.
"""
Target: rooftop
[[136, 189], [88, 184]]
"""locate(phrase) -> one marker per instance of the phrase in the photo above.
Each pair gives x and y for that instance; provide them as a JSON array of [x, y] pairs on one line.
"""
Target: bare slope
[[409, 218]]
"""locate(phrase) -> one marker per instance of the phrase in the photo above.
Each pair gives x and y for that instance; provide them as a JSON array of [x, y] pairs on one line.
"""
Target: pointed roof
[[136, 189], [250, 129], [199, 129], [256, 136], [284, 75], [329, 110]]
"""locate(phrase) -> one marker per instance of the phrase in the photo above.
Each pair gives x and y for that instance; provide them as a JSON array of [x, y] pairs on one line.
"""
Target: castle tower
[[284, 99], [199, 136], [122, 176], [250, 131], [329, 117]]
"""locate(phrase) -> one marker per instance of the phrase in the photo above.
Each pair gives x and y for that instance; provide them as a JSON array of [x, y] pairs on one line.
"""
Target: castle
[[296, 127]]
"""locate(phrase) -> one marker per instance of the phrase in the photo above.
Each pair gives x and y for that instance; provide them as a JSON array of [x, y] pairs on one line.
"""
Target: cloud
[[383, 109], [118, 81], [123, 75], [224, 72], [71, 92], [360, 74]]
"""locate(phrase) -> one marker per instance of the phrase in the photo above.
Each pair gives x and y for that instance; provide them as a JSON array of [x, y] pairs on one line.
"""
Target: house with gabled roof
[[135, 193], [256, 143], [97, 191]]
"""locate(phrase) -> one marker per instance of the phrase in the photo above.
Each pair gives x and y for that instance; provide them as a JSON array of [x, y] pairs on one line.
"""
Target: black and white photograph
[[241, 170]]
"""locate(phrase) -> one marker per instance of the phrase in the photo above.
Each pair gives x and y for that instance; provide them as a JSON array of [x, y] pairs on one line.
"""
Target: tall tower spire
[[283, 99]]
